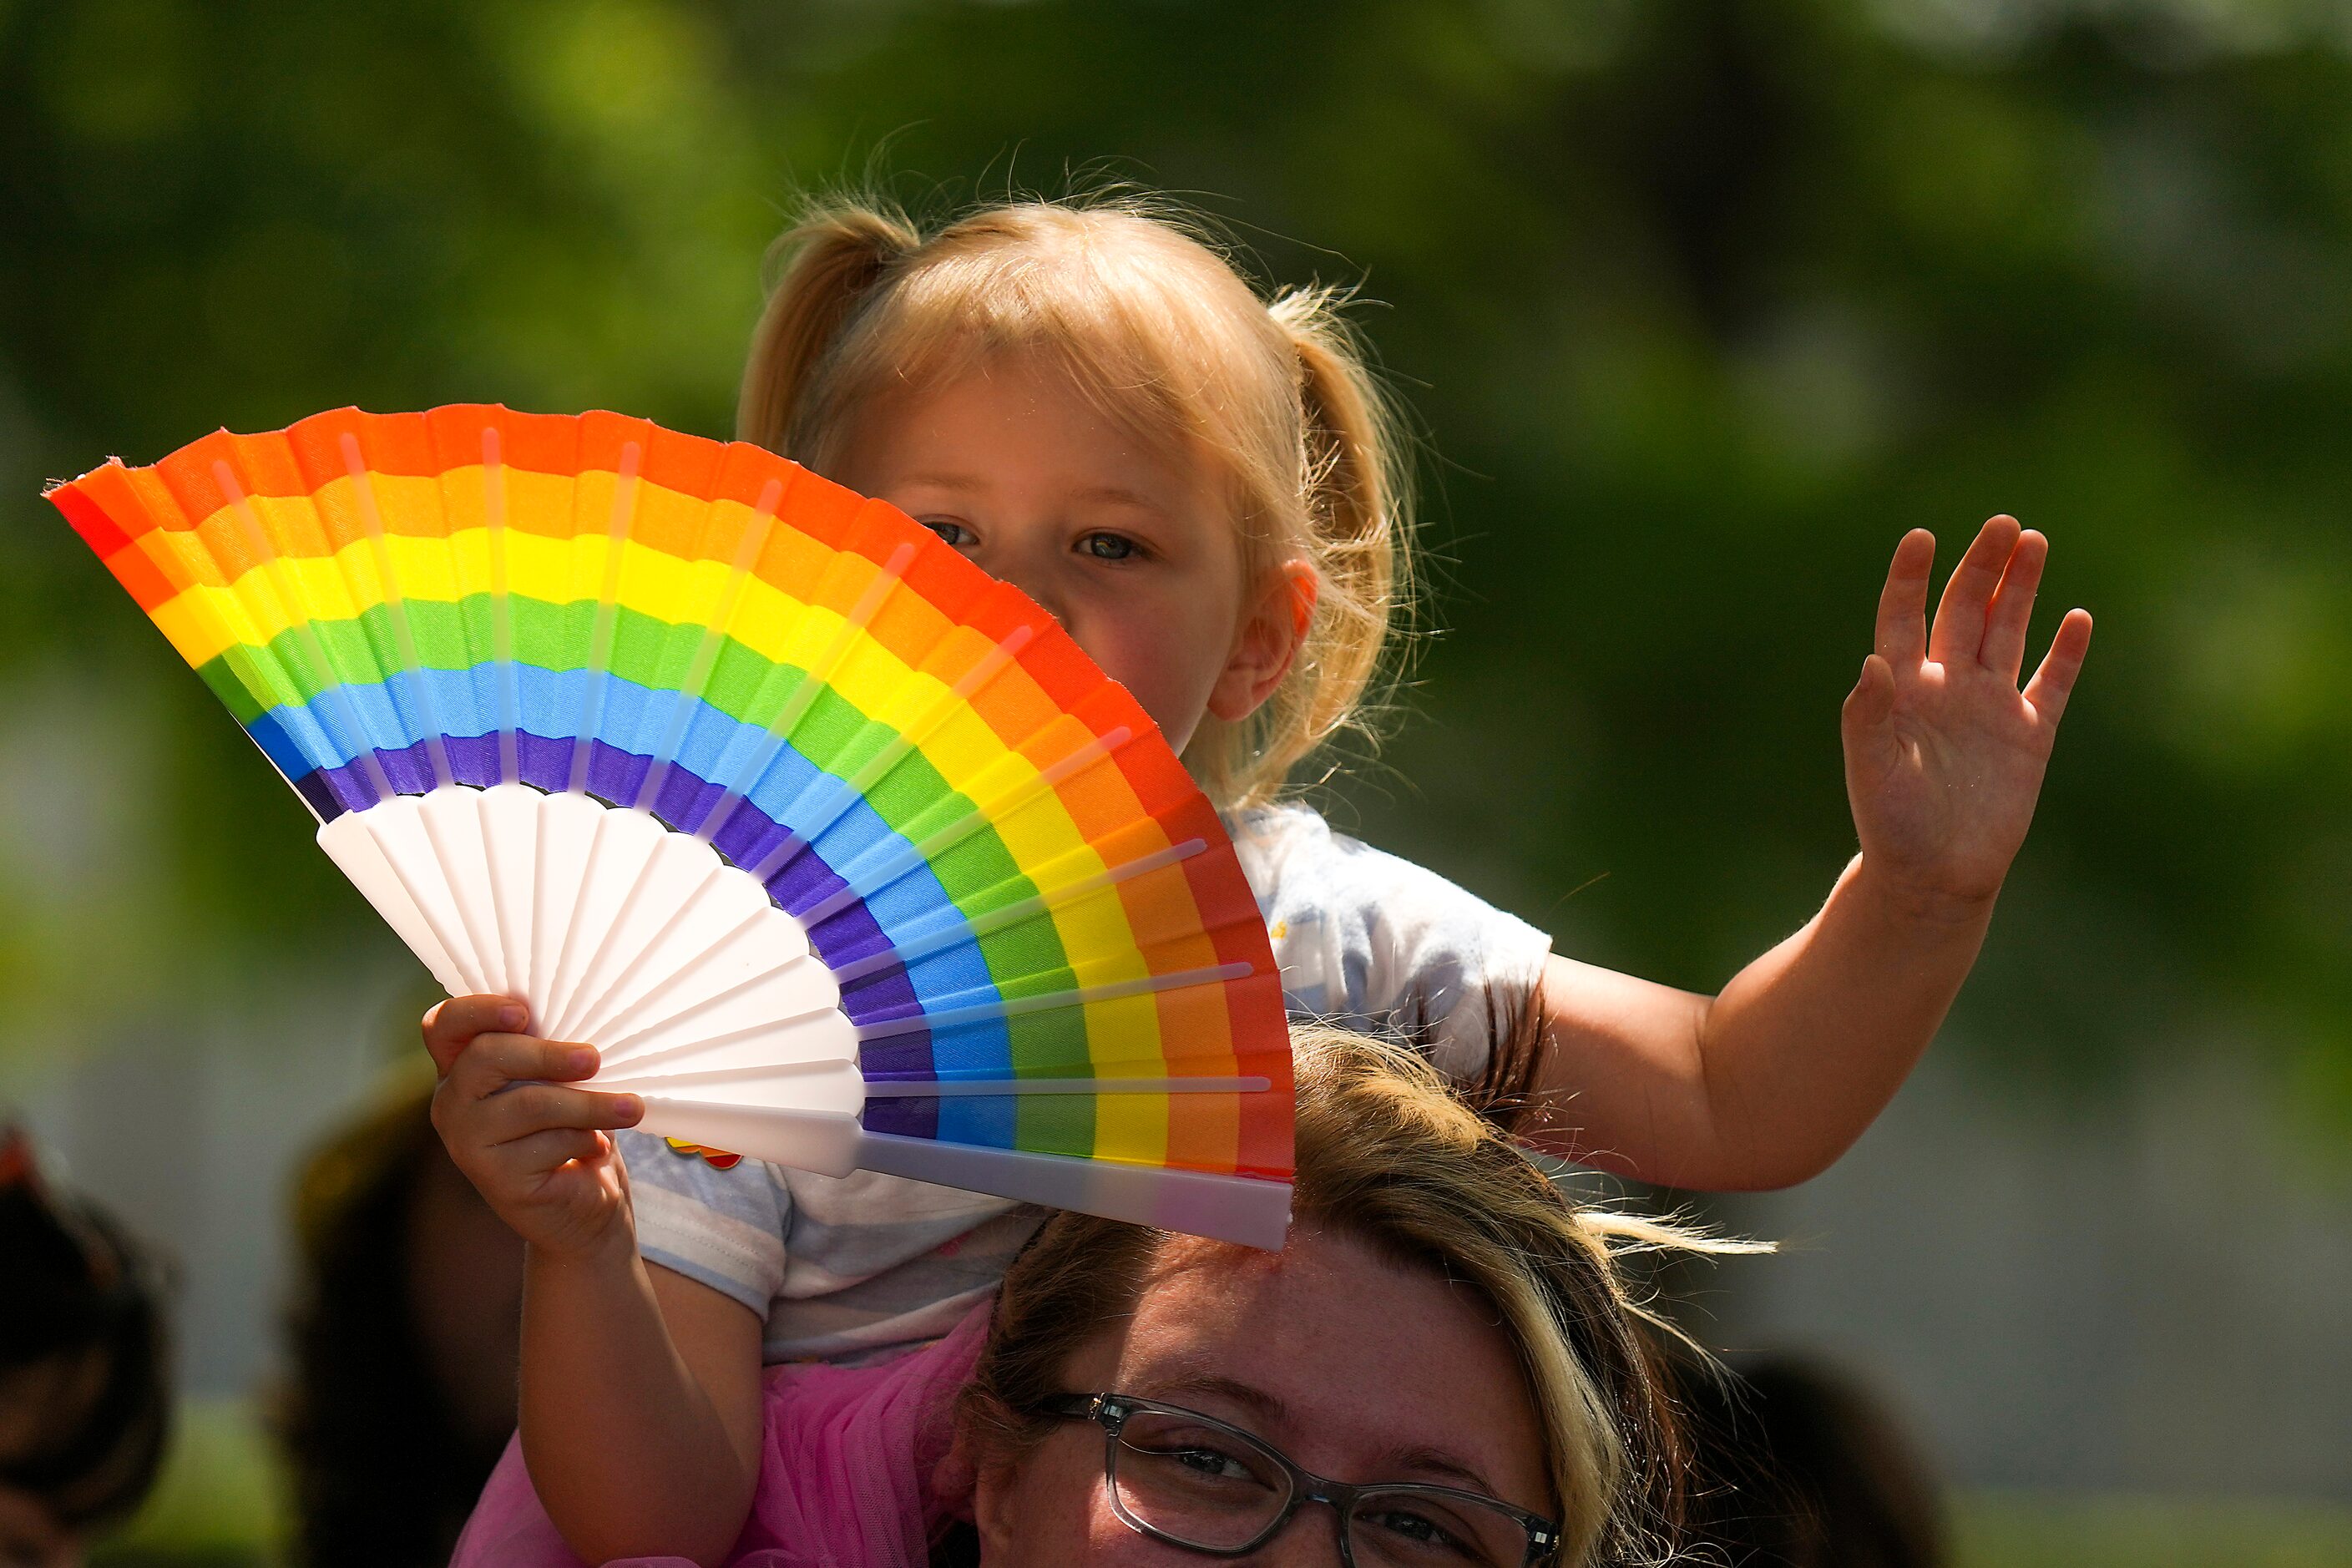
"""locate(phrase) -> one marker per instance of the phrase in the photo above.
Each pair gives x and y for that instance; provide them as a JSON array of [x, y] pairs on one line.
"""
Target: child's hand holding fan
[[535, 1148]]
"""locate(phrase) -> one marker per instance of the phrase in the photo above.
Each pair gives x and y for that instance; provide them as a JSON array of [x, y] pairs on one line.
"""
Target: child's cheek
[[1128, 642], [1170, 676]]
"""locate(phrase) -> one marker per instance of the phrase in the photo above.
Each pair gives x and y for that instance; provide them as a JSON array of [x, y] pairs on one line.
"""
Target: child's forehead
[[1007, 400]]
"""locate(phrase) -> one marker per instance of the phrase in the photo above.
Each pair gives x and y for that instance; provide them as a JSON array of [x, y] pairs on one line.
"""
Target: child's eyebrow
[[1114, 495], [1097, 495]]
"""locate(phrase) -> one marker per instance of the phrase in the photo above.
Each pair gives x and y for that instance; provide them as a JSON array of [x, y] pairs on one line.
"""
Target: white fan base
[[702, 996]]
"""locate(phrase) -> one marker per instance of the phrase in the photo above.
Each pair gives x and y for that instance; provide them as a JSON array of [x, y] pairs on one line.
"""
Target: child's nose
[[1049, 604], [1032, 571]]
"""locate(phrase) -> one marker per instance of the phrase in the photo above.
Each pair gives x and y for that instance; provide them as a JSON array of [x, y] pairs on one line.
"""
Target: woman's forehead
[[1350, 1363]]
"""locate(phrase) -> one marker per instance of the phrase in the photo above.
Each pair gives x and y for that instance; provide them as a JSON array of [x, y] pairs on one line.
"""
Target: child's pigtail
[[1354, 487], [838, 253]]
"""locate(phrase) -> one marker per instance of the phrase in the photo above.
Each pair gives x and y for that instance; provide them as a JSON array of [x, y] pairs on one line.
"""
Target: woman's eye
[[1418, 1529], [1108, 547], [1198, 1458], [949, 528], [1210, 1462]]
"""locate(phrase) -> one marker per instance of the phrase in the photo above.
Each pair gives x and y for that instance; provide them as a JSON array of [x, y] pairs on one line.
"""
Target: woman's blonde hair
[[1389, 1156], [1157, 327]]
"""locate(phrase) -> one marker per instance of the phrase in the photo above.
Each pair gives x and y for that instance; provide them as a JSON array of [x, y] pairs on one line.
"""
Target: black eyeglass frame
[[1110, 1412]]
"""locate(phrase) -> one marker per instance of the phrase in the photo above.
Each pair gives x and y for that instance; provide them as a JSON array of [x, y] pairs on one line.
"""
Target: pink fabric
[[845, 1476]]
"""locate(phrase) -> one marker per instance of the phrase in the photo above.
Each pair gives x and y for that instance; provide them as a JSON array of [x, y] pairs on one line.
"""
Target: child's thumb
[[452, 1024], [1872, 701]]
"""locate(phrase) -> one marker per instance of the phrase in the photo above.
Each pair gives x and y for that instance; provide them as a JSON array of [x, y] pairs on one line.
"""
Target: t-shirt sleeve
[[1372, 941], [723, 1227]]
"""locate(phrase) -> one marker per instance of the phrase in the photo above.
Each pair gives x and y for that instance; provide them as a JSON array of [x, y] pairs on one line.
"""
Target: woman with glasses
[[1442, 1368]]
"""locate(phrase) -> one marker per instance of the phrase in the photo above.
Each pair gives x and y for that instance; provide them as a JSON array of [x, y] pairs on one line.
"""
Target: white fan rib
[[1250, 1210], [395, 605], [1046, 1000], [361, 860], [453, 826], [993, 1087], [396, 827], [817, 678], [564, 847], [768, 941], [494, 523], [608, 610], [272, 577], [858, 882], [971, 927], [690, 690], [624, 843], [841, 793], [717, 979]]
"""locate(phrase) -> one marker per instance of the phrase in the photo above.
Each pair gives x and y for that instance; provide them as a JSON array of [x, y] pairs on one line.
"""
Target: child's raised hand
[[535, 1151], [1944, 755]]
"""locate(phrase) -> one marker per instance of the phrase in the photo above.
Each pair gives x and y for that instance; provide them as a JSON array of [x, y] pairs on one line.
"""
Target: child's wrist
[[612, 1248], [1913, 903]]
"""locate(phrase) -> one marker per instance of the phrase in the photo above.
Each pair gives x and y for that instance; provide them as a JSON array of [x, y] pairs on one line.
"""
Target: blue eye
[[1108, 547], [948, 529]]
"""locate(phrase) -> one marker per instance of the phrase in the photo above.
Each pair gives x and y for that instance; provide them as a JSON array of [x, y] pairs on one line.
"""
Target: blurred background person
[[1796, 1463], [84, 1389], [400, 1392]]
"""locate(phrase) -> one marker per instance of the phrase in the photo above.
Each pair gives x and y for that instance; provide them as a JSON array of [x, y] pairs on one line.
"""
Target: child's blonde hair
[[1168, 339]]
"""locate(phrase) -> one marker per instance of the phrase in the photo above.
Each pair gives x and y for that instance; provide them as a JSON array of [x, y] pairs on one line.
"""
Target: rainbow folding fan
[[839, 848]]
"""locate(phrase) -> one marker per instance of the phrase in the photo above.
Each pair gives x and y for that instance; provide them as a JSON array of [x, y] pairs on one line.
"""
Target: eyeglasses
[[1193, 1481]]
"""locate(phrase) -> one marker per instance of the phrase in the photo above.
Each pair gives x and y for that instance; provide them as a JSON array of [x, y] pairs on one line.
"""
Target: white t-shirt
[[845, 1269]]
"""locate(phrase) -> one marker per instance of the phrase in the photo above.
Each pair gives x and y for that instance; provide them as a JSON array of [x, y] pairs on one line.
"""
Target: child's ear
[[1272, 632]]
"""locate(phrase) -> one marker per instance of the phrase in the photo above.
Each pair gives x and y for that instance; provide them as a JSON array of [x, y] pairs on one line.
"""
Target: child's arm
[[640, 1399], [1768, 1083]]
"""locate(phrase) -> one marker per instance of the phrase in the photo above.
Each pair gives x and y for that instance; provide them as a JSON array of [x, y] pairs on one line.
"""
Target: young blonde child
[[1207, 488]]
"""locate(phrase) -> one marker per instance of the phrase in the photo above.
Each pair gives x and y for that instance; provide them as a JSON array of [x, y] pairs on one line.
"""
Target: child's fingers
[[2054, 683], [2012, 607], [531, 1108], [493, 1061], [1959, 627], [450, 1026], [544, 1151], [1901, 637]]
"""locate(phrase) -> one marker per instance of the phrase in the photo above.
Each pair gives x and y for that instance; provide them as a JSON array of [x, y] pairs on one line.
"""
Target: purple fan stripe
[[910, 1118]]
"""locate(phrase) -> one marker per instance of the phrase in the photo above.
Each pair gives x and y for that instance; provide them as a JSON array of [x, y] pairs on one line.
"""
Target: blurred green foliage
[[220, 1501], [1701, 302], [2007, 1529]]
